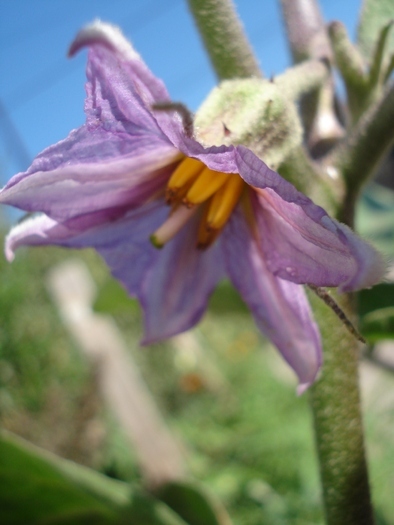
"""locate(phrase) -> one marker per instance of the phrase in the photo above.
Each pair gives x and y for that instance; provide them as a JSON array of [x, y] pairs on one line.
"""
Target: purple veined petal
[[370, 265], [177, 287], [173, 284], [35, 231], [121, 89], [124, 244], [116, 100], [300, 241], [106, 35], [217, 158], [102, 174], [280, 308]]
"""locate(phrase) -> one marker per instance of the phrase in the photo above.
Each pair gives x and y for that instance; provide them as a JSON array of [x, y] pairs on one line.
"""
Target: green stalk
[[224, 39], [361, 152], [358, 156], [335, 401]]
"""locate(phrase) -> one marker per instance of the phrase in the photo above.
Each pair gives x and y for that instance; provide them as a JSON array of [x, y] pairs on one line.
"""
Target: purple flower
[[131, 180]]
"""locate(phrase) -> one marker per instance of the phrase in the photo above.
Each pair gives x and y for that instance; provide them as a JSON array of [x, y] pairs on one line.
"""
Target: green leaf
[[146, 510], [375, 15], [113, 299], [38, 487], [378, 324], [375, 217], [376, 309], [225, 299], [376, 298], [193, 504], [34, 490]]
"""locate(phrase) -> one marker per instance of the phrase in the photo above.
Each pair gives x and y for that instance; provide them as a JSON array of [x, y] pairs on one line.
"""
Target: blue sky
[[42, 92]]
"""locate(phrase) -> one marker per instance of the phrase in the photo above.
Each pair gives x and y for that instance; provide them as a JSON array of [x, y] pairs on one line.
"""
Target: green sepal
[[378, 71], [375, 15], [252, 112], [348, 58]]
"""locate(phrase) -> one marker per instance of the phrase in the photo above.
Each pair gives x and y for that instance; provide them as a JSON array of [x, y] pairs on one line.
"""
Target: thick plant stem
[[224, 39], [306, 30], [308, 39], [361, 152], [335, 402]]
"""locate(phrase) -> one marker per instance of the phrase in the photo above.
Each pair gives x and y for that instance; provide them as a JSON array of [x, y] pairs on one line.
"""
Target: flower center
[[193, 186]]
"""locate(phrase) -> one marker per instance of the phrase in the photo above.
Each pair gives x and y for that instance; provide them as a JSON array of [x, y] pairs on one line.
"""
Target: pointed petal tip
[[371, 266], [302, 387], [150, 338], [11, 243], [9, 252], [107, 35], [307, 379]]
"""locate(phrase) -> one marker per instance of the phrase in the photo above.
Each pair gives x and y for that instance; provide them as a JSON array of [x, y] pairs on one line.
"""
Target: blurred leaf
[[113, 299], [146, 510], [193, 504], [374, 15], [376, 298], [378, 324], [37, 487], [376, 310], [35, 491], [225, 299], [375, 217]]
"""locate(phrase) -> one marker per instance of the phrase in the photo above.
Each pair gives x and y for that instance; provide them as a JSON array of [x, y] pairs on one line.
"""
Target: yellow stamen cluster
[[193, 184]]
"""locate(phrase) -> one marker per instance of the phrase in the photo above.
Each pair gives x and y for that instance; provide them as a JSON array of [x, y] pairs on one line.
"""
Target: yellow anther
[[206, 184], [205, 237], [191, 185], [224, 202], [187, 171]]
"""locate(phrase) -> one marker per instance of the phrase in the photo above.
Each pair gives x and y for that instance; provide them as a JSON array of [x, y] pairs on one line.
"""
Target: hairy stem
[[359, 155], [305, 29], [224, 39], [335, 401], [308, 39], [303, 78]]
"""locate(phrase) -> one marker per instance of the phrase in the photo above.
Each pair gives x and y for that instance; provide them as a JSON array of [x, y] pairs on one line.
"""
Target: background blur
[[223, 391]]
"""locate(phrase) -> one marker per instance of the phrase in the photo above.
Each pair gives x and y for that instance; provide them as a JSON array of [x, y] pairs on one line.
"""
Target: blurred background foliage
[[247, 436]]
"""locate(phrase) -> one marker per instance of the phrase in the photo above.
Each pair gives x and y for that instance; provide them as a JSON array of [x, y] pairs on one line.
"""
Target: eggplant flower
[[131, 180]]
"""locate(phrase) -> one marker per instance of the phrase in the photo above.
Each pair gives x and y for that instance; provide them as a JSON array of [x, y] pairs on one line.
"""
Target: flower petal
[[89, 171], [300, 241], [280, 308], [34, 231], [124, 244], [172, 284], [177, 286], [121, 89], [104, 35], [108, 161]]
